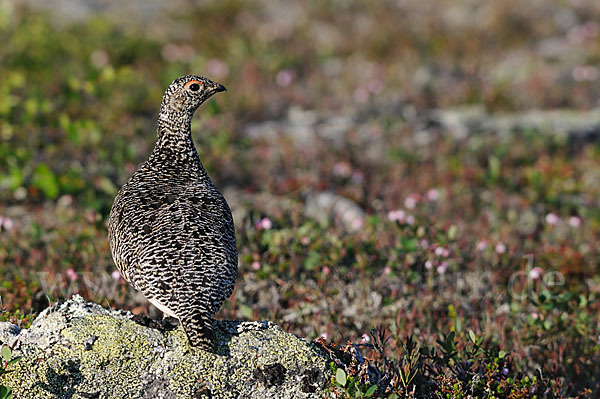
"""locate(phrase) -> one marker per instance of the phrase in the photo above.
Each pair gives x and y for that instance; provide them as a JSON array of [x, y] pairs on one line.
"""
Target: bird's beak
[[217, 87]]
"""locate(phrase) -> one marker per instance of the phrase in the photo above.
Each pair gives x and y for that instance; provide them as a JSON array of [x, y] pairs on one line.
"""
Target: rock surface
[[327, 207], [78, 349], [573, 125]]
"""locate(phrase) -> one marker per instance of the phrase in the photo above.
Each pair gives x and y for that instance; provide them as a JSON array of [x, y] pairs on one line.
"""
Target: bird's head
[[185, 94]]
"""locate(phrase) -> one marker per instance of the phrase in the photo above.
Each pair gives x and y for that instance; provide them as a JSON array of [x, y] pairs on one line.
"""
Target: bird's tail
[[199, 330]]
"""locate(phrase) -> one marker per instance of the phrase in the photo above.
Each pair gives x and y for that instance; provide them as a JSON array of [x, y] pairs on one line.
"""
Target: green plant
[[350, 386], [7, 359], [455, 367]]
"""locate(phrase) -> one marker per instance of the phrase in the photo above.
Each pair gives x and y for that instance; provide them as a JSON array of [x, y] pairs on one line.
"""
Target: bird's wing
[[187, 252]]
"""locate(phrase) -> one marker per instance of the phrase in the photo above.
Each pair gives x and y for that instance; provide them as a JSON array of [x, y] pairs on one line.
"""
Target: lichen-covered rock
[[81, 350]]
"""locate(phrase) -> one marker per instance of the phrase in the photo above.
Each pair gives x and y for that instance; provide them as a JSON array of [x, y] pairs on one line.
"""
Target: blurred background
[[431, 167]]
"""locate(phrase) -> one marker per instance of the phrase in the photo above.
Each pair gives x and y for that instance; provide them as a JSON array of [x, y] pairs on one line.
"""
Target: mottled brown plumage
[[170, 230]]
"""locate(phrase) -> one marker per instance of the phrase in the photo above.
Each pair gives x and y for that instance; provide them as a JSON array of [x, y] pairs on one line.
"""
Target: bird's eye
[[194, 87]]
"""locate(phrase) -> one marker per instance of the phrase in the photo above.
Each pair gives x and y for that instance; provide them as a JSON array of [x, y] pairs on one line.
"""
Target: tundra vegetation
[[372, 216]]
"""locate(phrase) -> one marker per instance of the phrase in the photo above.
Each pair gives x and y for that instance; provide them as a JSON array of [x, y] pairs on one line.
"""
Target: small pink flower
[[410, 219], [387, 270], [375, 86], [441, 269], [552, 219], [500, 248], [536, 273], [411, 201], [482, 245], [66, 200], [256, 265], [130, 167], [172, 52], [116, 275], [432, 195], [6, 222], [264, 224], [580, 33], [442, 251], [575, 221], [396, 215], [216, 68], [424, 243], [357, 224], [71, 274], [325, 336], [582, 73], [365, 339], [361, 95], [285, 77], [326, 270], [535, 315], [341, 169], [305, 240], [428, 265], [357, 177]]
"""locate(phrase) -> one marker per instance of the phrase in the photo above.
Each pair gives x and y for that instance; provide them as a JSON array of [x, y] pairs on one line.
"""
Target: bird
[[170, 230]]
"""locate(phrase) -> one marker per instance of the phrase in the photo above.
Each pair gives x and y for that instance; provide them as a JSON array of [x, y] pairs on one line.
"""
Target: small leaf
[[6, 353], [13, 361], [452, 232], [501, 354], [45, 180], [371, 391], [472, 336], [312, 260], [451, 335], [340, 377], [246, 312], [106, 185], [494, 167], [5, 392]]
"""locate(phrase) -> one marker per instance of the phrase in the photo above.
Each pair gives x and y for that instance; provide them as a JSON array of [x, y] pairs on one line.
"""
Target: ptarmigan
[[170, 230]]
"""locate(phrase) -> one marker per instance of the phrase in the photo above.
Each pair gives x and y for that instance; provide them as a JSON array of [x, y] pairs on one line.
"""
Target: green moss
[[110, 355]]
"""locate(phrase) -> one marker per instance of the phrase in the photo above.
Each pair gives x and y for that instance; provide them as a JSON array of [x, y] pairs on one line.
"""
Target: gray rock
[[83, 10], [326, 207], [243, 203], [567, 124], [78, 349], [299, 127]]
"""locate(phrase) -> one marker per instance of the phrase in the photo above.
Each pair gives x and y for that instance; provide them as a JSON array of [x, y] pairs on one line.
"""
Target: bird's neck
[[174, 145], [173, 118]]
